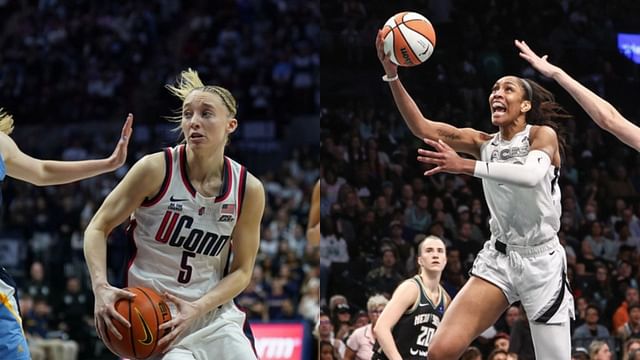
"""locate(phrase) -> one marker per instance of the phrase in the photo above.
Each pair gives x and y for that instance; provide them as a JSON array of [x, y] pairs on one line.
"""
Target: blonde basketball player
[[602, 113], [195, 225], [407, 324], [18, 165], [519, 167]]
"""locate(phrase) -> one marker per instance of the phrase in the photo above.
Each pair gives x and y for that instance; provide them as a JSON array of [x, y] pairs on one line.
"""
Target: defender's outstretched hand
[[539, 63], [119, 155]]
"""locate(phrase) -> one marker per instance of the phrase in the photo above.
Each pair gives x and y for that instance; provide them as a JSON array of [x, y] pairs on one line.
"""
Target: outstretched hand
[[445, 158], [539, 63], [119, 155], [390, 68]]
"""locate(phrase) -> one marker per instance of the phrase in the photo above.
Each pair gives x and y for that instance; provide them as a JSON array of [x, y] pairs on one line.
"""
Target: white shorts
[[218, 335], [536, 276]]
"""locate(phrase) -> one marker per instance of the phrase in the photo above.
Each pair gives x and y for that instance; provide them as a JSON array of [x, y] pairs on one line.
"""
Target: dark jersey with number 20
[[415, 328]]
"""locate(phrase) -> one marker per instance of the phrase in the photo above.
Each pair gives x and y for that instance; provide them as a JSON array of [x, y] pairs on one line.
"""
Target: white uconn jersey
[[181, 239], [520, 216]]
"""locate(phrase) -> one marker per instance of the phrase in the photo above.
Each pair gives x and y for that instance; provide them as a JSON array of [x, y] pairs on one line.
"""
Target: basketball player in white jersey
[[603, 113], [519, 168], [195, 227], [18, 165]]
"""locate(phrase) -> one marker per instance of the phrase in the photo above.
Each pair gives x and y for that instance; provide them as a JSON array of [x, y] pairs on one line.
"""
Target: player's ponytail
[[546, 111], [6, 122]]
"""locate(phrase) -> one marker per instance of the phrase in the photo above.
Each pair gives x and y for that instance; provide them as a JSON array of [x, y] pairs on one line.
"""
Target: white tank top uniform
[[524, 257], [181, 243]]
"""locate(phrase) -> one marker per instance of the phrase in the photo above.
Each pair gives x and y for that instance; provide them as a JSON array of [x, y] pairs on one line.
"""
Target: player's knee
[[441, 350]]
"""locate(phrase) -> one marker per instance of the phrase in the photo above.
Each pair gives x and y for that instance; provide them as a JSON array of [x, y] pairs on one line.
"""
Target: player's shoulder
[[409, 285], [152, 164], [542, 131]]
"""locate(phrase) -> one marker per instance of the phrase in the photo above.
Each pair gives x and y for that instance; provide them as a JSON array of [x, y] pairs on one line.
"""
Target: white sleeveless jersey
[[181, 239], [520, 216]]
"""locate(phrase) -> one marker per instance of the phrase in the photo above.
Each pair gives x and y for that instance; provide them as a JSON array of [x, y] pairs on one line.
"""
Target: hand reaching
[[539, 63], [390, 68], [445, 158], [119, 155]]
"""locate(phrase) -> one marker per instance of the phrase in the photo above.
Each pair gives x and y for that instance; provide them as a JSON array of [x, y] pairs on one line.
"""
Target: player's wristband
[[389, 79]]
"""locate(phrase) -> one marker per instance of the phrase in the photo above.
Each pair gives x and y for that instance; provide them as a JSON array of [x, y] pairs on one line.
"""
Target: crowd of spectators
[[376, 204], [71, 71]]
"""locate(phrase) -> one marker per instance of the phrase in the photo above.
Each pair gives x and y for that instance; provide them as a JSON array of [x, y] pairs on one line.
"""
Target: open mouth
[[196, 136], [498, 108]]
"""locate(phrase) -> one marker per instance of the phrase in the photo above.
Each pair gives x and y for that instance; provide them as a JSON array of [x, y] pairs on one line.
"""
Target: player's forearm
[[95, 253], [410, 112], [602, 112], [61, 172], [313, 235], [228, 288], [388, 345], [527, 175]]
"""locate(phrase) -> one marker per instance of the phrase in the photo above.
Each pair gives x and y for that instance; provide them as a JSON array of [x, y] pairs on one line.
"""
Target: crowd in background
[[71, 71], [377, 205]]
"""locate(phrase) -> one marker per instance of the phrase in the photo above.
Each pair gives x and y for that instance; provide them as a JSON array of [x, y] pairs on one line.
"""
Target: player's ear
[[232, 125], [525, 106]]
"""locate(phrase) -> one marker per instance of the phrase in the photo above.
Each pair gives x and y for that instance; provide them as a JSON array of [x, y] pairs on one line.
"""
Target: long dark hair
[[546, 111]]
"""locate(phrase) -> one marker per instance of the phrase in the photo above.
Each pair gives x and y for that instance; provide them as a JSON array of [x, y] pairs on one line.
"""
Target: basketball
[[145, 313], [409, 38]]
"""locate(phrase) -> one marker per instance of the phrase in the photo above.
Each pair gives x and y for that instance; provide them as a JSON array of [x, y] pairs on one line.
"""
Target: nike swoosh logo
[[553, 252], [421, 305], [176, 199], [148, 338], [413, 352]]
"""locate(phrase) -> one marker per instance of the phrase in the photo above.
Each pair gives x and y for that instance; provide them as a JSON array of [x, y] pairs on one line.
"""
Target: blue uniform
[[13, 344]]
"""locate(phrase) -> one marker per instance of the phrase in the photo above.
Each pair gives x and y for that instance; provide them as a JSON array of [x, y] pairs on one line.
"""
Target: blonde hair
[[430, 237], [6, 122], [595, 347], [190, 81], [375, 301]]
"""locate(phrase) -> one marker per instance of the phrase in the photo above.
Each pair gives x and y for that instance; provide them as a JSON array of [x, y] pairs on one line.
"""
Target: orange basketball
[[409, 38], [145, 313]]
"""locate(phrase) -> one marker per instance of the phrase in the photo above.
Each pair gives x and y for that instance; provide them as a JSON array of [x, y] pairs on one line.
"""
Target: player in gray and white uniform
[[195, 227], [519, 168]]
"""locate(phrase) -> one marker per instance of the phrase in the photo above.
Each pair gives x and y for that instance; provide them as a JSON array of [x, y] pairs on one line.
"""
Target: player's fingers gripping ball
[[409, 38], [146, 312]]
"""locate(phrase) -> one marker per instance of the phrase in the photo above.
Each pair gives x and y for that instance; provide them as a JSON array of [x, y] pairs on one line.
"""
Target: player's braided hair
[[6, 122], [190, 81], [546, 111]]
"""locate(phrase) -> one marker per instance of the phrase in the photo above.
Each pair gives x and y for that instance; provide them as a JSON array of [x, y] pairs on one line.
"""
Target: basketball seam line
[[155, 343], [409, 45]]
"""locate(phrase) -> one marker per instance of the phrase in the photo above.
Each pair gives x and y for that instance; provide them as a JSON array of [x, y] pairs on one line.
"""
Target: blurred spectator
[[591, 329], [360, 343], [621, 315], [384, 279], [632, 327], [327, 334], [599, 350]]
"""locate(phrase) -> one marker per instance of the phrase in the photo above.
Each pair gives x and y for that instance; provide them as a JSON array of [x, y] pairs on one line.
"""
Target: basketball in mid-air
[[146, 312], [409, 38]]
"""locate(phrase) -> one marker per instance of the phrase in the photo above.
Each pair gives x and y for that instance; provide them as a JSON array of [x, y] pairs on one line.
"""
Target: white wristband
[[389, 79]]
